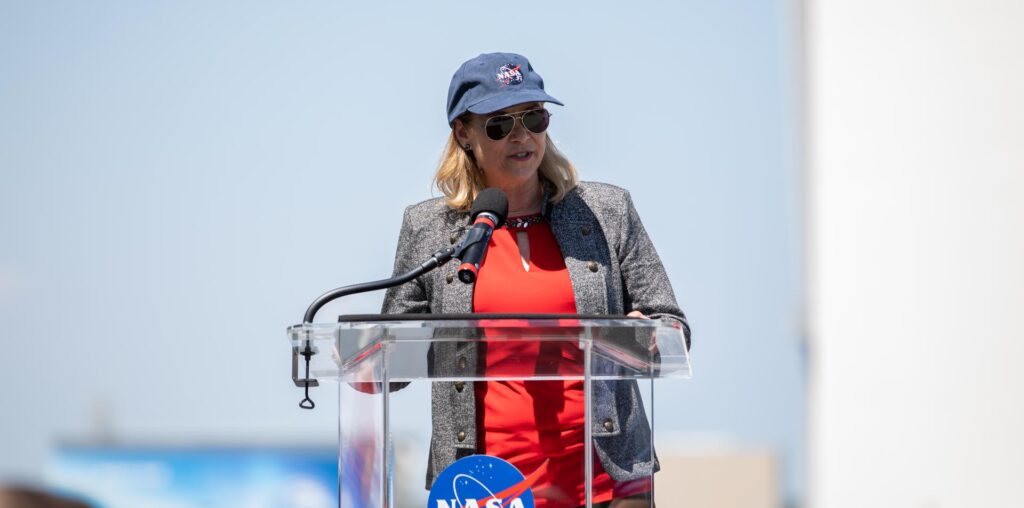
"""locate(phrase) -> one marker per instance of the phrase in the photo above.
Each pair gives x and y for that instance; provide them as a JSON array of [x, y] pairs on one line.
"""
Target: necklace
[[524, 221]]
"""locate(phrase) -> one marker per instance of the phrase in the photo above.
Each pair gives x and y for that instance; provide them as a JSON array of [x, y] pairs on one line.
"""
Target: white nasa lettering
[[441, 503], [516, 503], [493, 503], [471, 503]]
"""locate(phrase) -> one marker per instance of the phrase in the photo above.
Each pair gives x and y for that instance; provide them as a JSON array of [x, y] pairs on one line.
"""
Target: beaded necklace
[[524, 221]]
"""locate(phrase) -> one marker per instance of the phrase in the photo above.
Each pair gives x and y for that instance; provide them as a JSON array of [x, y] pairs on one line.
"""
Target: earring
[[467, 147]]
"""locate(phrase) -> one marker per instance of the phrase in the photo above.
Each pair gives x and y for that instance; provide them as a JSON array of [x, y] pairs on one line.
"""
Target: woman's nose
[[519, 132]]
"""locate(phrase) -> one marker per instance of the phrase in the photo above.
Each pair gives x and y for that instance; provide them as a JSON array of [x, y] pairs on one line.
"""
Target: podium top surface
[[470, 347]]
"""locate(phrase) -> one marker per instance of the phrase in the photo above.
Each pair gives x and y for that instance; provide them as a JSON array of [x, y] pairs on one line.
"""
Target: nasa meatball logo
[[482, 481], [509, 74]]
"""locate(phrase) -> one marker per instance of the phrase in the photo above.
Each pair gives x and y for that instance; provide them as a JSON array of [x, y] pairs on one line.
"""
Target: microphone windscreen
[[491, 200]]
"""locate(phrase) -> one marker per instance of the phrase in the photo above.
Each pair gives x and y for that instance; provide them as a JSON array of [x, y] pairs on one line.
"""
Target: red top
[[540, 423]]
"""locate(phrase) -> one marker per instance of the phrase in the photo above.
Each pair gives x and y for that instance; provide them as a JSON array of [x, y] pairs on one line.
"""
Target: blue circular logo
[[481, 481]]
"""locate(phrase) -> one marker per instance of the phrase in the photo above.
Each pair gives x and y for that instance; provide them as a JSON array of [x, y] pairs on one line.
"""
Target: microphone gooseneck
[[439, 258]]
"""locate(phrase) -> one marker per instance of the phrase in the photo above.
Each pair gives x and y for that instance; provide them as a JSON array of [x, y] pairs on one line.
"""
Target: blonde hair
[[460, 180]]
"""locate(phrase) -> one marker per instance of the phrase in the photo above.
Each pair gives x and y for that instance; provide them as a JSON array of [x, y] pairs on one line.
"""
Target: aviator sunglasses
[[500, 126]]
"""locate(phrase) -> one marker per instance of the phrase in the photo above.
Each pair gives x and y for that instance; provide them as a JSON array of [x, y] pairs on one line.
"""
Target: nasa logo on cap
[[482, 481], [509, 74]]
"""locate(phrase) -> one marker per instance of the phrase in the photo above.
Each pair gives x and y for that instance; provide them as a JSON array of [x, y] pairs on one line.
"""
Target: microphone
[[490, 208]]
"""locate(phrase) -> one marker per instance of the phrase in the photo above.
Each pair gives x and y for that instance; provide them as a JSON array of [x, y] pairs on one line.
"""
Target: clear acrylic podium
[[529, 368]]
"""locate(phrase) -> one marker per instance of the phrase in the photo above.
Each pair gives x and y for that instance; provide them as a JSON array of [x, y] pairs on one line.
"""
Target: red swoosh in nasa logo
[[514, 491]]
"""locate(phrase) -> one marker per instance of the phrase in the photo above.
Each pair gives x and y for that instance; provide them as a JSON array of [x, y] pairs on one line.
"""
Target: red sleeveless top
[[538, 424]]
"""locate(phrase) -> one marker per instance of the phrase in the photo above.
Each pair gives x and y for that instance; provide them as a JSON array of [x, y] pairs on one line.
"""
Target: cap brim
[[511, 99]]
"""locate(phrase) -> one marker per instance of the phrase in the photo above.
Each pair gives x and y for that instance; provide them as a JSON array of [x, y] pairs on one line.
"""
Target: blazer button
[[462, 362], [459, 386], [449, 278], [461, 436], [608, 425], [585, 230], [592, 266]]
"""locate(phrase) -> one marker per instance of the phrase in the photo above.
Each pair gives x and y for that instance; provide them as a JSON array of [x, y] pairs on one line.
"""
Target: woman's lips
[[521, 156]]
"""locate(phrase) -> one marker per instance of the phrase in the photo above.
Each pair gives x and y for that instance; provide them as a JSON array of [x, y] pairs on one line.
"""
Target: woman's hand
[[652, 347]]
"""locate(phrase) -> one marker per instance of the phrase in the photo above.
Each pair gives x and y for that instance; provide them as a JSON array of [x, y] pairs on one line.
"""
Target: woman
[[568, 247]]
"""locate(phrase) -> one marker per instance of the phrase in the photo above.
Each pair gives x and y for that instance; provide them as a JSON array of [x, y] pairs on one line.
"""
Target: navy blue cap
[[494, 81]]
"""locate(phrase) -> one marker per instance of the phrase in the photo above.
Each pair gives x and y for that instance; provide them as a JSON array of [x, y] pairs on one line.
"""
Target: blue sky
[[179, 179]]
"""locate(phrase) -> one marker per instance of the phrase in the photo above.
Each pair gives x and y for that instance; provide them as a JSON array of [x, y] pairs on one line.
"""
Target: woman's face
[[507, 162]]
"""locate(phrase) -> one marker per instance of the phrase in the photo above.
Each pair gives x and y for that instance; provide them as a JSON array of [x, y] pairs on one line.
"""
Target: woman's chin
[[510, 175]]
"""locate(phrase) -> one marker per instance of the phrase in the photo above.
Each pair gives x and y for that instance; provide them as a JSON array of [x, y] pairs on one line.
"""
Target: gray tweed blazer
[[614, 269]]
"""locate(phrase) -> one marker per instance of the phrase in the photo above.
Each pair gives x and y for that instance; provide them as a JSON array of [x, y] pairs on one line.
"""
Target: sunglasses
[[500, 126]]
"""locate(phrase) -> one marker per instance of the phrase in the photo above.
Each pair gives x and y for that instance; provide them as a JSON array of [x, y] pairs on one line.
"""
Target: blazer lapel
[[578, 235]]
